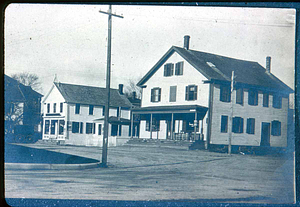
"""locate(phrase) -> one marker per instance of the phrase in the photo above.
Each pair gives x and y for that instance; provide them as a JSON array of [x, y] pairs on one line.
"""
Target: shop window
[[47, 125]]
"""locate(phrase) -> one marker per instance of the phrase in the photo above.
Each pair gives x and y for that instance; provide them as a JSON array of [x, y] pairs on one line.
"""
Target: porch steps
[[182, 144], [50, 141]]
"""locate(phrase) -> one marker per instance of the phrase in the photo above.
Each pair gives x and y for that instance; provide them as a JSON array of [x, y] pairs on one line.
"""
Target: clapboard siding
[[259, 113]]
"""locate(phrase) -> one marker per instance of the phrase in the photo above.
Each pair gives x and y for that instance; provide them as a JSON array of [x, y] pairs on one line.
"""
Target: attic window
[[168, 69]]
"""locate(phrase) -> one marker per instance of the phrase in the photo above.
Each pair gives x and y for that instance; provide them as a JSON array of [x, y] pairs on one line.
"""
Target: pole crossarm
[[115, 15]]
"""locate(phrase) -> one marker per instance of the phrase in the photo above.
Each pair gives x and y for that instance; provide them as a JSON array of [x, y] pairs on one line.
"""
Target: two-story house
[[22, 110], [187, 96], [74, 114]]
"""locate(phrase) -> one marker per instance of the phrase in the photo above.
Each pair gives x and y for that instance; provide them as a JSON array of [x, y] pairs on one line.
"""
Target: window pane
[[252, 98], [99, 129], [250, 126], [61, 127], [61, 107], [91, 109], [47, 124], [89, 128], [77, 108], [75, 127], [225, 93]]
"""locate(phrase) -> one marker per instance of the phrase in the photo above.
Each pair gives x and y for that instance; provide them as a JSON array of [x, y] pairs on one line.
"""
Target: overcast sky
[[71, 40]]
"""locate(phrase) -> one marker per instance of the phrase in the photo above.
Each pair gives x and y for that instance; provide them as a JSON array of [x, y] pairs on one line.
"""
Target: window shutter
[[159, 94], [165, 70], [152, 95], [242, 125], [172, 69], [195, 92], [186, 93]]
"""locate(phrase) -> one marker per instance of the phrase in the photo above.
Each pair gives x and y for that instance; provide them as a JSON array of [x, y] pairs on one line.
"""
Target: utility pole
[[231, 113], [106, 113]]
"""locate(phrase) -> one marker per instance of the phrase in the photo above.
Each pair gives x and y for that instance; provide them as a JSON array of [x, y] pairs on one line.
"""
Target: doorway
[[265, 134]]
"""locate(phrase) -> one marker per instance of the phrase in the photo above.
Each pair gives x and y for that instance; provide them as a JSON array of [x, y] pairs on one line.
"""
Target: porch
[[183, 122]]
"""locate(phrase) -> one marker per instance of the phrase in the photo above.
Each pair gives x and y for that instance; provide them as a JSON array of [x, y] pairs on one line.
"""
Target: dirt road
[[160, 173]]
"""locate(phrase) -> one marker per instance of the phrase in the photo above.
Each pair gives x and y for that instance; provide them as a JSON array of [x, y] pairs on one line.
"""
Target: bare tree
[[131, 88], [28, 79]]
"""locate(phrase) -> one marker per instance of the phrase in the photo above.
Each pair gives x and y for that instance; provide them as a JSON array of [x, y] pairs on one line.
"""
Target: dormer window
[[179, 68], [168, 69]]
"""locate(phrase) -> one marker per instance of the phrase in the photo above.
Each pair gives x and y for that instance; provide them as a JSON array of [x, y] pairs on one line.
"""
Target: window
[[168, 69], [276, 128], [179, 68], [224, 124], [52, 129], [77, 108], [61, 127], [54, 108], [61, 107], [114, 130], [103, 111], [225, 93], [47, 124], [48, 108], [240, 96], [155, 125], [250, 126], [89, 128], [81, 127], [265, 100], [191, 93], [237, 125], [91, 109], [99, 129], [75, 127], [173, 93], [277, 101], [155, 94], [252, 97]]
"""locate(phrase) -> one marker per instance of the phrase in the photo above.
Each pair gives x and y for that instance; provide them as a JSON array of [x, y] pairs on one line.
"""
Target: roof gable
[[91, 95], [216, 67], [15, 91]]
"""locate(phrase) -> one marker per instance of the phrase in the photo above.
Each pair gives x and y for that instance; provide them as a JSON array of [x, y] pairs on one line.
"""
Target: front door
[[265, 134]]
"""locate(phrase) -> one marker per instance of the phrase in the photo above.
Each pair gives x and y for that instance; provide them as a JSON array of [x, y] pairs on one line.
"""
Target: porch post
[[195, 125], [131, 124], [150, 126], [172, 126]]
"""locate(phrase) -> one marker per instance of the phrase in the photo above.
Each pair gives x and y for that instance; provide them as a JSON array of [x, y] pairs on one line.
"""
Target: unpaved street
[[160, 173]]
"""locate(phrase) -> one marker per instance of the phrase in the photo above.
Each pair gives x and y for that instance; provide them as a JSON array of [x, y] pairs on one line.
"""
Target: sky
[[71, 40]]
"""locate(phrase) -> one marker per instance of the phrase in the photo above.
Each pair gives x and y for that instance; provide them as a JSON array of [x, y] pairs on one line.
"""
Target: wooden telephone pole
[[106, 114], [231, 113]]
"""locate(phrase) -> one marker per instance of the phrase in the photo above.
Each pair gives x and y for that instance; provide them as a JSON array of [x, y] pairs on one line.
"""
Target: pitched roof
[[91, 95], [216, 67], [18, 92]]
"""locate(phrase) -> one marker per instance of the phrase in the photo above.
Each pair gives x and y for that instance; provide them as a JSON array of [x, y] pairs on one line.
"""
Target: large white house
[[74, 114], [187, 96]]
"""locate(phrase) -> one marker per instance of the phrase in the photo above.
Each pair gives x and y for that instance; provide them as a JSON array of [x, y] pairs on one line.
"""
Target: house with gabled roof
[[187, 95], [74, 114], [22, 109]]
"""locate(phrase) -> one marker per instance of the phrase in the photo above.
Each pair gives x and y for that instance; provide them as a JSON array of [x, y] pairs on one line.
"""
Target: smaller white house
[[74, 114]]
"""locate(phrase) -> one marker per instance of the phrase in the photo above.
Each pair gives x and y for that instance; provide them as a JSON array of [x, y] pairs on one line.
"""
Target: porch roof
[[170, 109], [115, 120]]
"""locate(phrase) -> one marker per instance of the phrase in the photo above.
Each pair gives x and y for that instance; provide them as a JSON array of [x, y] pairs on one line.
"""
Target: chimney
[[134, 95], [186, 42], [268, 64], [121, 89]]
